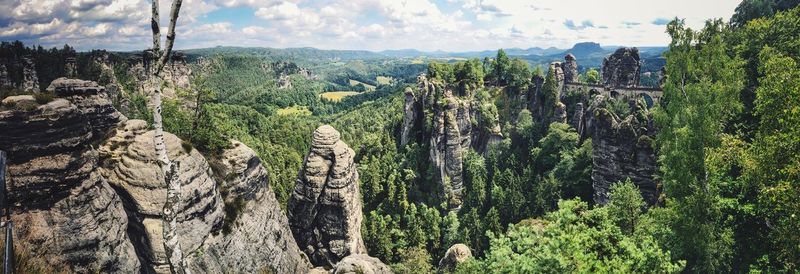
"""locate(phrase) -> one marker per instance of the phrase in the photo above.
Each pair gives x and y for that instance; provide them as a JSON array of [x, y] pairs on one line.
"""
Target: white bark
[[172, 245]]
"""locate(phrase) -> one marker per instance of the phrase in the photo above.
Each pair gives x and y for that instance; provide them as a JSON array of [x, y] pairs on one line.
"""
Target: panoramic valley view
[[408, 136]]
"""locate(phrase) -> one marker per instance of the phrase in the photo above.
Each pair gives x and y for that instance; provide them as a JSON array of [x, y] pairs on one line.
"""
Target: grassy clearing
[[383, 80], [356, 82], [337, 96], [295, 110]]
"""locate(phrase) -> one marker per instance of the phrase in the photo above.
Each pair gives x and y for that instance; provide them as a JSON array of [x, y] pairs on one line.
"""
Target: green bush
[[43, 97]]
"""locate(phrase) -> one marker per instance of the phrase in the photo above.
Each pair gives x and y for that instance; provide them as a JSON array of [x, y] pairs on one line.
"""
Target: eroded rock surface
[[64, 212], [621, 69], [325, 207], [130, 165], [621, 149]]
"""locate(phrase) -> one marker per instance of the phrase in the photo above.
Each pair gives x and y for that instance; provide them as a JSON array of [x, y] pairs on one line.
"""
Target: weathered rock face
[[259, 238], [621, 149], [621, 69], [325, 207], [63, 210], [130, 165], [577, 119], [410, 110], [30, 82], [570, 67], [284, 82], [558, 70], [115, 90], [455, 255], [361, 264]]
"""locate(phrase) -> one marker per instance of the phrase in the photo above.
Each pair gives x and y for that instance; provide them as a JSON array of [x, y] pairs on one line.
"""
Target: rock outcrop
[[570, 67], [325, 207], [64, 211], [458, 125], [577, 119], [70, 67], [176, 73], [621, 69], [30, 81], [130, 165], [361, 264], [4, 80], [622, 149], [455, 255], [259, 237]]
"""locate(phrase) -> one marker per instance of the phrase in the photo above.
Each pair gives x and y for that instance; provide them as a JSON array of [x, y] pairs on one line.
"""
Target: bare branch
[[173, 18], [154, 25]]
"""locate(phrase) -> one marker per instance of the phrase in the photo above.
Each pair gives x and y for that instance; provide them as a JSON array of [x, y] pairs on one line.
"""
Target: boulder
[[325, 207], [621, 69], [360, 264], [455, 255]]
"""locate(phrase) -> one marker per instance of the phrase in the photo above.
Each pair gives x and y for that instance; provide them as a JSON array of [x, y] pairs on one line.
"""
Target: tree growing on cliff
[[172, 246]]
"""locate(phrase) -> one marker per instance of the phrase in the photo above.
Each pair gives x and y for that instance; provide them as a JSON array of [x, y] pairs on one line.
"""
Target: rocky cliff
[[623, 148], [621, 69], [259, 235], [176, 72], [64, 211], [456, 125], [325, 207], [570, 67], [99, 210]]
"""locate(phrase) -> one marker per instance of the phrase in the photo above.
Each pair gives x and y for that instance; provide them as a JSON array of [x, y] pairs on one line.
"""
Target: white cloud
[[458, 25]]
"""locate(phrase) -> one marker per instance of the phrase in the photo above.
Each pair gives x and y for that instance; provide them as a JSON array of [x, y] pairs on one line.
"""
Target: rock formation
[[621, 149], [455, 255], [557, 70], [325, 207], [457, 126], [259, 236], [70, 67], [577, 119], [63, 210], [4, 80], [284, 82], [176, 72], [361, 264], [621, 69], [30, 82], [130, 166], [570, 67]]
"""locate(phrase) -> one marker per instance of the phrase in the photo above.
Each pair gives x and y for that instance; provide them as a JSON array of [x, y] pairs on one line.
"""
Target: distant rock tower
[[30, 82], [325, 207], [621, 69], [70, 67], [570, 67]]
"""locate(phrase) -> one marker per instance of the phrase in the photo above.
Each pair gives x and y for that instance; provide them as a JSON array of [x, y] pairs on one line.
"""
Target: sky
[[428, 25]]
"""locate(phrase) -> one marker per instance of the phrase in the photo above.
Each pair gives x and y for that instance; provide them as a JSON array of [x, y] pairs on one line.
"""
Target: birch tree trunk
[[172, 245]]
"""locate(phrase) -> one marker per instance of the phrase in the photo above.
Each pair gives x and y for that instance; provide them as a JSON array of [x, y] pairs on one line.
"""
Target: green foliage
[[701, 92], [442, 71], [590, 77], [501, 66], [573, 239], [469, 76], [414, 260], [43, 97], [625, 206]]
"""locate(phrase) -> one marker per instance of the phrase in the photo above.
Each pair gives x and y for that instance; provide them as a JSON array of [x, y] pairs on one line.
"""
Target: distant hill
[[585, 49]]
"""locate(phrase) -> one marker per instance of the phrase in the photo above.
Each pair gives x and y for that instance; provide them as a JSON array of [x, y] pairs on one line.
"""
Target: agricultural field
[[337, 96], [367, 86], [383, 80]]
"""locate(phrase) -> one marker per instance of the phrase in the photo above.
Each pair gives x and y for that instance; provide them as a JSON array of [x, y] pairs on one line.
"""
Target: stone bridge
[[650, 94]]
